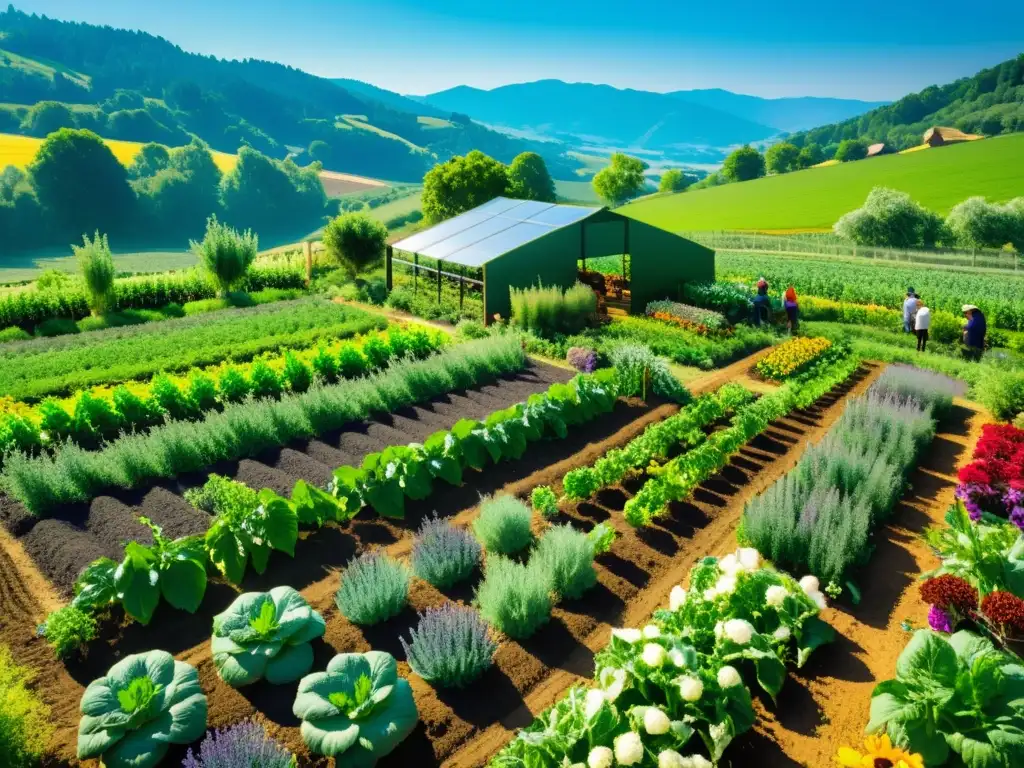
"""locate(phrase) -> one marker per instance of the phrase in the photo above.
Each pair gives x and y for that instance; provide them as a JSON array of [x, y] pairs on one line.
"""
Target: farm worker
[[792, 309], [922, 321], [974, 332], [762, 304], [909, 308]]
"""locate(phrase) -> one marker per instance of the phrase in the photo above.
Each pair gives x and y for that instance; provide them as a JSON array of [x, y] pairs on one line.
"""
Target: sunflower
[[880, 753]]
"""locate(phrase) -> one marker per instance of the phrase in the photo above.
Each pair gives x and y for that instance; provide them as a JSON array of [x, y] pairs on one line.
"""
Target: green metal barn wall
[[662, 262], [550, 259]]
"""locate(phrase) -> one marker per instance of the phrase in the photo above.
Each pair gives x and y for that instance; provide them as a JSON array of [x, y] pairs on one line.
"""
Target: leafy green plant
[[544, 501], [988, 554], [567, 556], [602, 536], [225, 254], [264, 382], [69, 630], [325, 366], [233, 386], [514, 598], [639, 372], [25, 726], [144, 703], [450, 647], [358, 710], [374, 587], [503, 525], [172, 569], [248, 525], [169, 397], [957, 696], [265, 635], [98, 271]]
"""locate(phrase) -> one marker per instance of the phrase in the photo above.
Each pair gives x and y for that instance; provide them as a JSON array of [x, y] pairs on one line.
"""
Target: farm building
[[879, 149], [509, 243], [939, 136]]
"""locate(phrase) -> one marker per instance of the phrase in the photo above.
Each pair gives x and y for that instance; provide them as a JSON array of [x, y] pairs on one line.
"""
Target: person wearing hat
[[909, 308], [974, 332], [762, 304]]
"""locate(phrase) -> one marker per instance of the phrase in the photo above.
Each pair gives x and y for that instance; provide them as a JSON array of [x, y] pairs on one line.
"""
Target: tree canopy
[[782, 157], [462, 183], [673, 180], [622, 180], [891, 218], [851, 149], [744, 164], [528, 178], [356, 241]]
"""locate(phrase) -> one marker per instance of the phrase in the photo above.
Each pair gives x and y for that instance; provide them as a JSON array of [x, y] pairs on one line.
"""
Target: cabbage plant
[[265, 635], [145, 703], [358, 708]]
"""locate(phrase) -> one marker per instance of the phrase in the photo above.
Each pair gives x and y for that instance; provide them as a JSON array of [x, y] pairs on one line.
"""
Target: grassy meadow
[[813, 199]]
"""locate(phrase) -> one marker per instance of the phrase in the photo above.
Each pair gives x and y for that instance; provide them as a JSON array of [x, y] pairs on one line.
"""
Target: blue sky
[[831, 48]]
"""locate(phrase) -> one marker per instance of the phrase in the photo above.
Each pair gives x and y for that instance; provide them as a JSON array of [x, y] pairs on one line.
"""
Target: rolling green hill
[[815, 198]]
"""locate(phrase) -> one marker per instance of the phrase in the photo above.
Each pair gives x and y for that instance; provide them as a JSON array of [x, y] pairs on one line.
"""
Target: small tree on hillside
[[851, 149], [744, 164], [152, 159], [812, 154], [528, 178], [622, 180], [462, 183], [782, 158], [892, 219], [673, 180], [356, 241], [225, 253], [97, 266], [977, 223]]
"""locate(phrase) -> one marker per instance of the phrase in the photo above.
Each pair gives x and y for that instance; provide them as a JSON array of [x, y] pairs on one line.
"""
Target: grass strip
[[72, 474], [30, 370], [677, 479]]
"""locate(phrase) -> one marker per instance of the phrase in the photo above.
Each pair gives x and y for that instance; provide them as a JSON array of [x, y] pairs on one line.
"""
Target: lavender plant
[[244, 745], [567, 557], [931, 390], [503, 525], [374, 587], [443, 554], [582, 359], [450, 647]]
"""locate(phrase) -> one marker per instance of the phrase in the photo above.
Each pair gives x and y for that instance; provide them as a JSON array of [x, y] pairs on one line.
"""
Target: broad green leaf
[[183, 584], [813, 634], [387, 499], [137, 582], [290, 664], [928, 655], [771, 674], [226, 552], [281, 526]]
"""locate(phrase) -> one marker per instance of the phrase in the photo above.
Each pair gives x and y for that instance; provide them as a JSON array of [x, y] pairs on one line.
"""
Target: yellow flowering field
[[792, 357]]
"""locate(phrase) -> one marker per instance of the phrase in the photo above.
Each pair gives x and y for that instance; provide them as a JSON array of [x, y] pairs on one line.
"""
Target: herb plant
[[567, 556], [443, 554], [69, 630], [374, 587], [514, 598], [450, 646], [503, 525], [244, 745]]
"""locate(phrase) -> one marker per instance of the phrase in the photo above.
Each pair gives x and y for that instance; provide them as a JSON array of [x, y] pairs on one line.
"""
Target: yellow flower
[[880, 753]]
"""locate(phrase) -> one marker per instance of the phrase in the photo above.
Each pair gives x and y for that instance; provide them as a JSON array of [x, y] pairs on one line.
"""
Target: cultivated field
[[814, 199]]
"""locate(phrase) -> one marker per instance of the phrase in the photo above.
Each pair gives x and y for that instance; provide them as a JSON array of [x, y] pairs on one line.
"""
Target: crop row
[[91, 418], [30, 307], [655, 443], [32, 370], [793, 357], [71, 474], [997, 295], [820, 516], [685, 674], [676, 479]]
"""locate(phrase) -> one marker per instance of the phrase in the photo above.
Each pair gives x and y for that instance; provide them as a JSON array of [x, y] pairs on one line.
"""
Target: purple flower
[[1017, 517], [939, 620], [582, 359], [244, 745], [977, 498]]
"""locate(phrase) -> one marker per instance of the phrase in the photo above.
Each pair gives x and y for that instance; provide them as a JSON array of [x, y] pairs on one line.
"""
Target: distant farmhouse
[[879, 149], [939, 136]]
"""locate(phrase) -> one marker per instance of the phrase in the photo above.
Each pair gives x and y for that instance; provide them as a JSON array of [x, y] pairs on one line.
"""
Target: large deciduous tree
[[782, 157], [528, 178], [462, 183], [622, 180], [851, 149], [744, 164], [673, 180]]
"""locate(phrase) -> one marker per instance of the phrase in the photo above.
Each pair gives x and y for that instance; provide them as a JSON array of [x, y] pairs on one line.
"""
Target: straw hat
[[968, 308]]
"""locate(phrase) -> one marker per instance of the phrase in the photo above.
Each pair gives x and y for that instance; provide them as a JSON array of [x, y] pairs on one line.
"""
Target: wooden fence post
[[307, 249], [389, 279]]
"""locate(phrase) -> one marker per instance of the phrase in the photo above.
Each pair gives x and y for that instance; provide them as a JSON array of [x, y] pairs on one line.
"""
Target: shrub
[[357, 711], [1002, 392], [443, 554], [25, 726], [202, 392], [450, 646], [503, 525], [356, 241], [639, 371], [374, 587], [471, 329], [892, 219], [225, 254], [550, 310], [351, 362], [265, 383], [296, 373], [514, 598], [582, 359], [376, 351], [243, 745], [145, 703], [567, 556], [544, 501], [265, 635], [69, 631], [233, 386], [976, 223], [170, 398], [98, 271], [14, 333], [138, 412]]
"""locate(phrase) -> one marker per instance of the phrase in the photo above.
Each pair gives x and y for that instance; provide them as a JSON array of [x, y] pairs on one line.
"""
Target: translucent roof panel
[[492, 229]]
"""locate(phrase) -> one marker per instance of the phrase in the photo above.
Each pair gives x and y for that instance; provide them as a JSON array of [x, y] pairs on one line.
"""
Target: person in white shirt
[[909, 307], [922, 321]]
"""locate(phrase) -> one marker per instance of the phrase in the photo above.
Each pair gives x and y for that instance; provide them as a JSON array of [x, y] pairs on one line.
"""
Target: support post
[[583, 244], [388, 275], [438, 281], [625, 247], [462, 288], [307, 249], [415, 270]]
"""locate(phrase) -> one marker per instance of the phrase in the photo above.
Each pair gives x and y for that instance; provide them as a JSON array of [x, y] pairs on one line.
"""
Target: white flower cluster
[[740, 631], [744, 559], [812, 588], [629, 750], [669, 758]]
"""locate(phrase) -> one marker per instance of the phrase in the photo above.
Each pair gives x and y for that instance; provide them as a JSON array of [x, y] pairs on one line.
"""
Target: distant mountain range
[[669, 122]]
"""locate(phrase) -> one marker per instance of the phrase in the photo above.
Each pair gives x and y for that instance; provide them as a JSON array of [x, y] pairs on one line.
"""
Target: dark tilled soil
[[62, 546]]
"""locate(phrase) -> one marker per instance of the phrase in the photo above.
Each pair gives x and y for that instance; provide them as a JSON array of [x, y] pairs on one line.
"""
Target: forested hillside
[[990, 103], [131, 85]]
